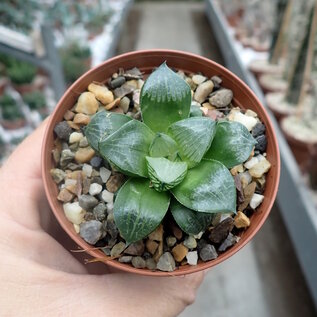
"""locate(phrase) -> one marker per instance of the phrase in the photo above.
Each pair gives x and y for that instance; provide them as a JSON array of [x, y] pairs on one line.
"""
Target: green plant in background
[[9, 109], [173, 160], [35, 100], [21, 72]]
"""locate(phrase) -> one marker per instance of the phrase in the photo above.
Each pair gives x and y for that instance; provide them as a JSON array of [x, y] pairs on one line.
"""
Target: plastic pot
[[146, 61]]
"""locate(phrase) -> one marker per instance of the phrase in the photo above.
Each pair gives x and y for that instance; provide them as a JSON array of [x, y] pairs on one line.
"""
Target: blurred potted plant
[[36, 102], [11, 114]]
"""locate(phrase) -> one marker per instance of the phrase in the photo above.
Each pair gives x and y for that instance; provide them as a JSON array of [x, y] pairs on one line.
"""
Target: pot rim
[[186, 269]]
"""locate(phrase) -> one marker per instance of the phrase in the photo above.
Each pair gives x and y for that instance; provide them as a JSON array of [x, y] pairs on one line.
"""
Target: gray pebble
[[221, 231], [221, 98], [190, 242], [136, 248], [258, 129], [138, 262], [87, 202], [100, 211], [216, 80], [112, 228], [119, 81], [230, 241], [83, 142], [170, 241], [96, 161], [58, 175], [91, 231], [63, 130], [106, 251], [150, 264], [125, 259], [166, 262], [208, 252], [117, 249], [262, 143], [66, 157]]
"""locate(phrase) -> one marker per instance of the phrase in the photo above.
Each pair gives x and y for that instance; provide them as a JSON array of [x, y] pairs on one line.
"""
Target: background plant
[[35, 100], [173, 160], [9, 108], [21, 72]]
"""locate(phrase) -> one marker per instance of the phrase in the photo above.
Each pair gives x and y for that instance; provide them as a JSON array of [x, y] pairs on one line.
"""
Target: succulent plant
[[9, 109], [173, 161], [21, 72], [35, 100]]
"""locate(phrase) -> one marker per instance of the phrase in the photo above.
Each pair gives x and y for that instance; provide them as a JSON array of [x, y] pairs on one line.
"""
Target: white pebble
[[248, 121], [192, 258], [198, 79], [104, 174], [107, 196], [251, 113], [95, 189], [77, 228], [87, 169], [198, 235], [110, 208], [253, 161], [259, 169], [75, 137], [70, 182], [74, 213], [256, 200]]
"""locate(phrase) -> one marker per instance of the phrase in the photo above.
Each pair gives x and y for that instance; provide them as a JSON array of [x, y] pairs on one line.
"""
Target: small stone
[[200, 244], [84, 155], [87, 103], [117, 249], [124, 104], [95, 189], [76, 228], [87, 169], [177, 232], [157, 234], [198, 79], [110, 208], [150, 264], [111, 227], [57, 174], [75, 137], [262, 143], [107, 196], [81, 119], [138, 262], [192, 258], [203, 90], [221, 231], [122, 91], [136, 248], [241, 220], [65, 196], [251, 113], [166, 263], [221, 98], [260, 168], [230, 241], [115, 182], [86, 185], [125, 259], [118, 82], [73, 147], [104, 174], [199, 235], [253, 161], [245, 179], [113, 104], [73, 125], [190, 242], [248, 193], [102, 93], [87, 202], [239, 188], [259, 129], [208, 252], [63, 130], [96, 161], [158, 252], [217, 81], [66, 157], [256, 200], [69, 115], [74, 213], [151, 246], [247, 121], [170, 241], [83, 142], [237, 169], [91, 231], [73, 166], [179, 252], [100, 211]]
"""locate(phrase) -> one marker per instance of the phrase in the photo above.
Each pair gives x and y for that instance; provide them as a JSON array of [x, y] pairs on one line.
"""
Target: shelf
[[293, 198]]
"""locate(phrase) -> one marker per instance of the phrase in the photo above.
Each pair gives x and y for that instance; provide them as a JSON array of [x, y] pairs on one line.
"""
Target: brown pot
[[38, 83], [146, 61], [13, 125], [305, 152], [260, 67], [272, 83], [274, 104]]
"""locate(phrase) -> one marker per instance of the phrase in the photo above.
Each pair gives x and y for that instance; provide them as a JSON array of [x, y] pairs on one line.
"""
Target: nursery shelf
[[293, 198]]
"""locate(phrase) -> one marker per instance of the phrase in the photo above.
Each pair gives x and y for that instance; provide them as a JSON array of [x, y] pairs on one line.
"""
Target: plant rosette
[[163, 175]]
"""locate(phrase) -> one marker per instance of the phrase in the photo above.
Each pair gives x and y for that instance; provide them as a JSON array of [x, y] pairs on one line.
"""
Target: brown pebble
[[73, 125], [241, 220], [158, 252], [114, 183], [65, 196], [113, 104], [73, 174], [69, 115], [157, 234], [248, 193], [179, 252], [221, 231], [136, 248], [86, 185], [177, 232], [81, 119], [151, 246], [84, 155], [79, 187]]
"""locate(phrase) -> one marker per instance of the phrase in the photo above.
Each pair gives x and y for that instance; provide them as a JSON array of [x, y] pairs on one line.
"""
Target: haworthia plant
[[171, 156]]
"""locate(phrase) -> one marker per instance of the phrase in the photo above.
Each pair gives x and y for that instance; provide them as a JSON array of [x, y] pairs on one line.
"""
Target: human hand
[[39, 277]]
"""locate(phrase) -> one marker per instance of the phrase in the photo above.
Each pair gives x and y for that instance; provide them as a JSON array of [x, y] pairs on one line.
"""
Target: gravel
[[91, 231]]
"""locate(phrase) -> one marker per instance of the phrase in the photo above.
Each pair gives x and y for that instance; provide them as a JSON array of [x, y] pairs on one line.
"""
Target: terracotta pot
[[305, 152], [38, 83], [146, 61], [272, 83], [13, 125]]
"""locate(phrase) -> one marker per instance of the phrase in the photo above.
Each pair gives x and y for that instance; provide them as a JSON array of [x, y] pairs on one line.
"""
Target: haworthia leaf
[[139, 209], [195, 111], [190, 221], [232, 144], [163, 146], [127, 148], [165, 98], [102, 124], [209, 187], [164, 173], [194, 137]]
